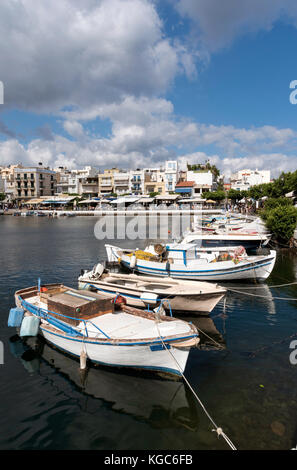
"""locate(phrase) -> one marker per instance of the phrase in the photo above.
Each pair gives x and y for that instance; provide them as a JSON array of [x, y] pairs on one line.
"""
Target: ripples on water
[[241, 370]]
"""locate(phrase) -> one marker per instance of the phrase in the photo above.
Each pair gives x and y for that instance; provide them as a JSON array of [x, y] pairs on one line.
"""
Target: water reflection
[[160, 403]]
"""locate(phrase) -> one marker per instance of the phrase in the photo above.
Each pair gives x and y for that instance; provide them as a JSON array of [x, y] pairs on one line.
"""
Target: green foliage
[[282, 221], [286, 183], [153, 194], [205, 167], [2, 196], [234, 195], [215, 195]]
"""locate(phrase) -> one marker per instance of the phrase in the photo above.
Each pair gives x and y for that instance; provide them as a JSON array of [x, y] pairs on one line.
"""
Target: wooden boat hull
[[130, 356], [202, 303], [164, 347]]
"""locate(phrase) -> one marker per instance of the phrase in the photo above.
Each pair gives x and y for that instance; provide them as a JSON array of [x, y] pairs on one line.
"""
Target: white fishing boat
[[91, 325], [187, 261], [143, 291], [251, 241]]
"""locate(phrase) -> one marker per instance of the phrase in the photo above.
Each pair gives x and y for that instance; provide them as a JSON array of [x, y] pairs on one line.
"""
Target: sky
[[132, 83]]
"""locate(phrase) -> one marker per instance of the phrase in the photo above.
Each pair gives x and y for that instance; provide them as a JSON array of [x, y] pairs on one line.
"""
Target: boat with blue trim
[[107, 331], [188, 261], [143, 291]]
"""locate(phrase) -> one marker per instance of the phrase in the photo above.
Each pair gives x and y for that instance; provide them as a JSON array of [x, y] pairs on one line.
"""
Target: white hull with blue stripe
[[189, 262], [126, 337]]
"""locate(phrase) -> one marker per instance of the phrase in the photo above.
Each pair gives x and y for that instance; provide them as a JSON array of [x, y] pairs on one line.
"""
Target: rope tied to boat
[[216, 429]]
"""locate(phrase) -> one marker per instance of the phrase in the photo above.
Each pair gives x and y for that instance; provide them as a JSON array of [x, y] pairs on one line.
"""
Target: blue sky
[[132, 83]]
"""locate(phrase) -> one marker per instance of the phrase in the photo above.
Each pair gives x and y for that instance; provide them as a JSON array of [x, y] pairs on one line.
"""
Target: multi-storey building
[[7, 175], [244, 179], [106, 181], [203, 181], [154, 181], [171, 175], [136, 183], [34, 182], [83, 182], [121, 182]]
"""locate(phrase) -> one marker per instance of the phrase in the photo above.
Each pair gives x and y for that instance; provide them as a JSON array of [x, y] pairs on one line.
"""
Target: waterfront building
[[203, 181], [106, 181], [171, 175], [121, 182], [83, 182], [33, 182], [136, 181], [154, 181], [245, 179]]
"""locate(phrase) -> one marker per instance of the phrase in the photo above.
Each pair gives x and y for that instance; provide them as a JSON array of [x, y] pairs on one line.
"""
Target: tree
[[2, 196], [282, 221], [215, 195], [234, 195]]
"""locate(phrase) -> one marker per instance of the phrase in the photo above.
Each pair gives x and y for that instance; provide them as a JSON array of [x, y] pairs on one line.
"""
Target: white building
[[244, 179], [136, 181], [79, 181], [121, 182], [203, 181], [170, 175]]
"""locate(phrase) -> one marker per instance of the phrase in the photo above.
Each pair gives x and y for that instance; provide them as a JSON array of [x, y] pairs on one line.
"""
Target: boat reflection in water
[[159, 402]]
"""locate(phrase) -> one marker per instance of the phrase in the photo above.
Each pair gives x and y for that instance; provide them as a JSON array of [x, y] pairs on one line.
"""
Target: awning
[[170, 197], [183, 190], [146, 200], [35, 201], [89, 201], [125, 200]]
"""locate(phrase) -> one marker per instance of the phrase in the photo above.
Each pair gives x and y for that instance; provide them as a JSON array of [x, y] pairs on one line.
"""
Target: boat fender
[[149, 298], [167, 266], [133, 261], [29, 326], [83, 360], [98, 270], [15, 317], [118, 301]]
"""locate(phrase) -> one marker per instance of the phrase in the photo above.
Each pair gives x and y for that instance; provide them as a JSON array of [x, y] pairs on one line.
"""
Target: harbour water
[[241, 371]]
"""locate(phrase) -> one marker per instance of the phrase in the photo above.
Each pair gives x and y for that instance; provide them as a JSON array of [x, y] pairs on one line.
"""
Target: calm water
[[244, 378]]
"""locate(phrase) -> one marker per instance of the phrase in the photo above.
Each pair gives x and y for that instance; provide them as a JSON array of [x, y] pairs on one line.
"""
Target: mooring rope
[[262, 296], [216, 429]]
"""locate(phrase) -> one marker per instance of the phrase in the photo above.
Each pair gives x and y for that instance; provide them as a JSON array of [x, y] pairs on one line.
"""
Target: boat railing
[[51, 317]]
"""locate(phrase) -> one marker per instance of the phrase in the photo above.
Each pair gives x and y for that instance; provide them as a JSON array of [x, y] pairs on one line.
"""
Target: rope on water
[[266, 285], [262, 296], [216, 429]]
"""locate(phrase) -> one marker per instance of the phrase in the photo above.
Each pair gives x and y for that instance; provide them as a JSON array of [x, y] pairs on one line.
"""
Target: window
[[32, 176], [26, 192], [25, 176]]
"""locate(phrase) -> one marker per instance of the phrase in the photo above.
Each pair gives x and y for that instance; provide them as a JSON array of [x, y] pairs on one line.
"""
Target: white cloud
[[85, 53]]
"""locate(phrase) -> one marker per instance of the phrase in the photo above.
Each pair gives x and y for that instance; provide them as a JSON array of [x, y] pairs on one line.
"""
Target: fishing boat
[[144, 291], [90, 325], [249, 240], [187, 261]]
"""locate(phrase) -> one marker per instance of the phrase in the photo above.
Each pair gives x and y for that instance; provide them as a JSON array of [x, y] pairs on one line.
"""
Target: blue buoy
[[15, 317]]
